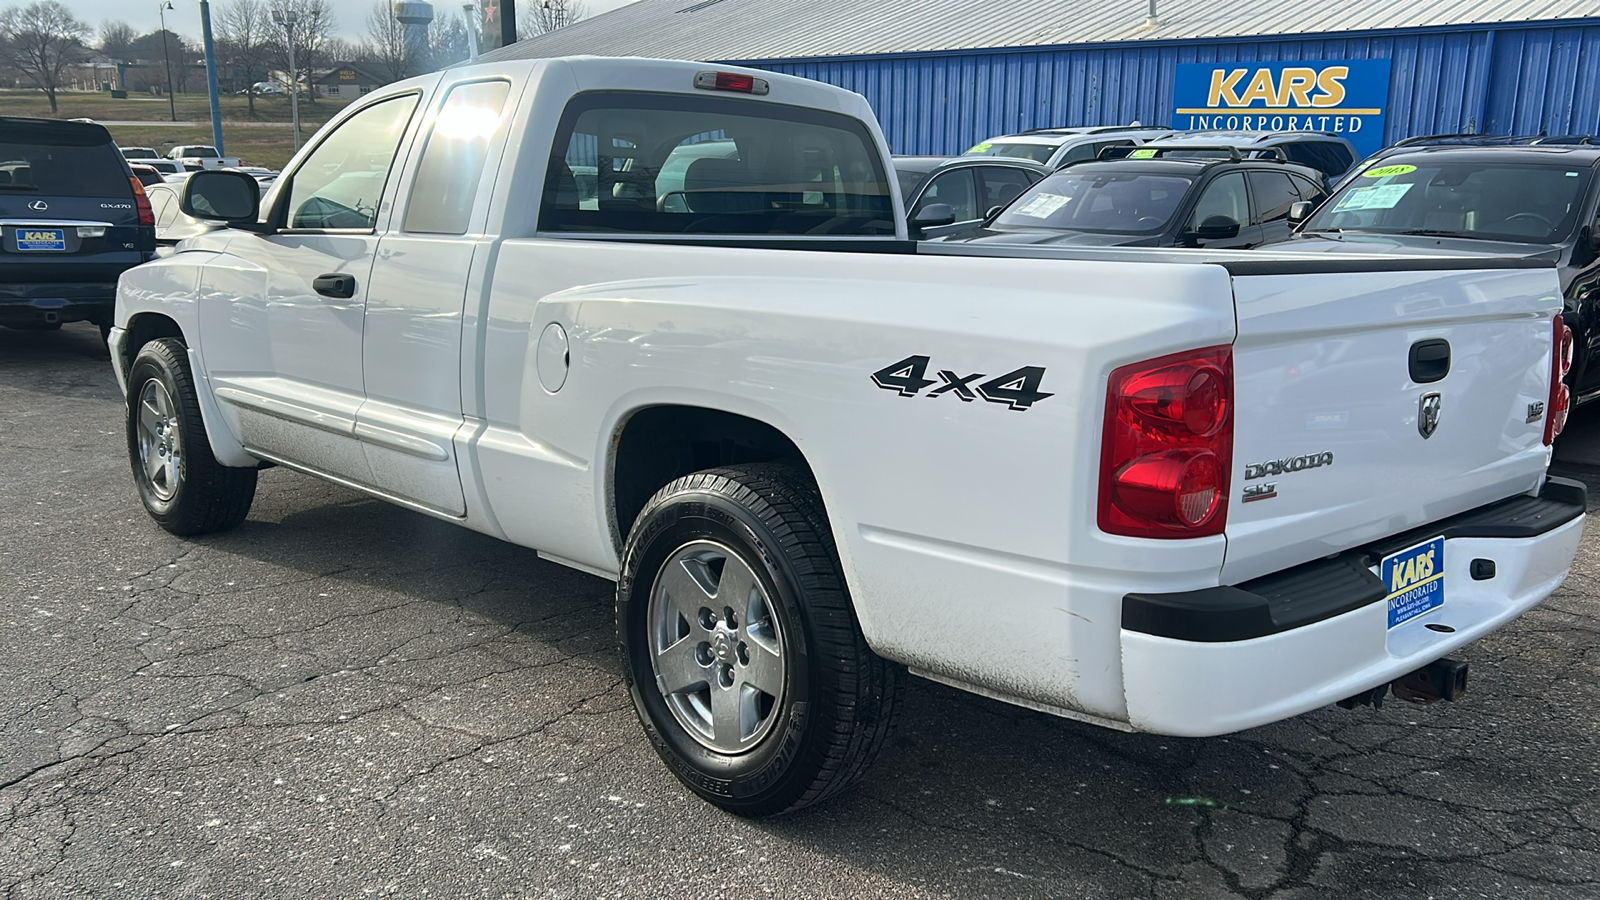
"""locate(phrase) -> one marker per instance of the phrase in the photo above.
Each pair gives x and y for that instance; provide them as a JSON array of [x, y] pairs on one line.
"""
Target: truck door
[[282, 324], [411, 354]]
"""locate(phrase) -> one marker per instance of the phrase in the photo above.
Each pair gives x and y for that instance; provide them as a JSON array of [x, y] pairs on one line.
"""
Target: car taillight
[[141, 202], [1555, 419], [1168, 446]]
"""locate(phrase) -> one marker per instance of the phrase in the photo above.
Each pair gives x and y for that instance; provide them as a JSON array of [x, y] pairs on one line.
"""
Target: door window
[[452, 162], [1274, 193], [1309, 190], [1001, 185], [341, 182], [1224, 197], [956, 189]]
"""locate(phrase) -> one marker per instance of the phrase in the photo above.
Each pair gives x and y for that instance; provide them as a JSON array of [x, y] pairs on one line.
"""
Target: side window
[[341, 182], [161, 202], [1224, 197], [452, 162], [1274, 193], [1309, 190], [956, 189], [633, 162], [1080, 153], [1102, 145], [1001, 185], [1325, 156]]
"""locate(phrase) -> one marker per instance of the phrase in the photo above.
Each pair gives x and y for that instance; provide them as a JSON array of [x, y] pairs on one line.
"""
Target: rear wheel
[[182, 485], [745, 661]]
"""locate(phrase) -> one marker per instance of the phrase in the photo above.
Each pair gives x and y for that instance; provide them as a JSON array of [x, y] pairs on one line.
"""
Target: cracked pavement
[[345, 699]]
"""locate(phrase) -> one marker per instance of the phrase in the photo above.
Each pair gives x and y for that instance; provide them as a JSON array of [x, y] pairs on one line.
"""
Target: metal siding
[[1503, 81]]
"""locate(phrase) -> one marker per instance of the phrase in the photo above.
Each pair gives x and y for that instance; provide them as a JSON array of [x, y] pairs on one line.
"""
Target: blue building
[[944, 74]]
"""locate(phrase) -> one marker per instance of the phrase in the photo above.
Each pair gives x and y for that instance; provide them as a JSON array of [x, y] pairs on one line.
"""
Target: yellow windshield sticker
[[981, 148], [1142, 154], [1382, 171]]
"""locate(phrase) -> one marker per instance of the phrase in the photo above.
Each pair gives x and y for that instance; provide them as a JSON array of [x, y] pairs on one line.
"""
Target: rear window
[[628, 162], [61, 162]]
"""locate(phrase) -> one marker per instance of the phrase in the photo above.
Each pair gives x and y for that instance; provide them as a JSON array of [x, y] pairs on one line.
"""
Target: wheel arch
[[144, 327], [653, 445]]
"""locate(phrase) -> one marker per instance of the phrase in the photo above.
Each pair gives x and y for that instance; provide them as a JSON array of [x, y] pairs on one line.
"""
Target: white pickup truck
[[1181, 492], [195, 157]]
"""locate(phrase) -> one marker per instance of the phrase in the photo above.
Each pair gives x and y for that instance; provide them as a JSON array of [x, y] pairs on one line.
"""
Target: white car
[[195, 157], [1182, 492]]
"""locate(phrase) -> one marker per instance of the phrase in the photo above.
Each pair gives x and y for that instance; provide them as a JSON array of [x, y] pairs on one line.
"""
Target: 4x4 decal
[[1017, 389]]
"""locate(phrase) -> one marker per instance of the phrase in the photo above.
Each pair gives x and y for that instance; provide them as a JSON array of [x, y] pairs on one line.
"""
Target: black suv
[[1151, 200], [72, 219], [1494, 200]]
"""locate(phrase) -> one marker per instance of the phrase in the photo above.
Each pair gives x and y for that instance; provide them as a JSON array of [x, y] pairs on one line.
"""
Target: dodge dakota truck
[[1183, 492]]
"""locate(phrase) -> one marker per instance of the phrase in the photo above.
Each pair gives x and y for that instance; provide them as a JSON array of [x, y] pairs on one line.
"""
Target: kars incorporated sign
[[1346, 97]]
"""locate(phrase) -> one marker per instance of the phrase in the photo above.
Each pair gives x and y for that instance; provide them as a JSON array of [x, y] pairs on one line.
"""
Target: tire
[[180, 482], [744, 658]]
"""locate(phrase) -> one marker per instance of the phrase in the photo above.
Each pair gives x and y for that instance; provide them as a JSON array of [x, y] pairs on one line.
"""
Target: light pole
[[287, 22], [211, 75], [473, 41], [172, 103]]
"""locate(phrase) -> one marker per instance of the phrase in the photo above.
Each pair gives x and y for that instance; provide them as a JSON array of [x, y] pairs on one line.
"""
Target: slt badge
[[1428, 414]]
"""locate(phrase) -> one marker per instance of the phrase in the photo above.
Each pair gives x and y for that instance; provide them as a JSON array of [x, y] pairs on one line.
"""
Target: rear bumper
[[72, 301], [1221, 660]]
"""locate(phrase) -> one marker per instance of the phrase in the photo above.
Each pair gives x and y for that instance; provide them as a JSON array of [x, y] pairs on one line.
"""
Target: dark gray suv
[[72, 219]]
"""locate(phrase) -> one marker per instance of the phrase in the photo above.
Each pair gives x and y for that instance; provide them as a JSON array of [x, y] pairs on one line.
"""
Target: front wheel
[[745, 661], [182, 485]]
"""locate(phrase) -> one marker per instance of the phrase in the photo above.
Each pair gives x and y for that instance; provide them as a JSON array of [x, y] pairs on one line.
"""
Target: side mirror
[[934, 215], [219, 195], [1299, 212], [1216, 228]]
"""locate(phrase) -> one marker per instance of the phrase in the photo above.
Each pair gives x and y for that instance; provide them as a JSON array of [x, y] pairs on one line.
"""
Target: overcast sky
[[185, 15]]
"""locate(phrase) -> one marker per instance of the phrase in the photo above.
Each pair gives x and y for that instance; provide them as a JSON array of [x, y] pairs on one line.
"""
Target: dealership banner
[[1347, 97]]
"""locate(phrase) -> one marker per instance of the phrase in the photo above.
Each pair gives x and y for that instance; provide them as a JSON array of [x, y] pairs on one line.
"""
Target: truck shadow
[[1004, 802], [75, 341]]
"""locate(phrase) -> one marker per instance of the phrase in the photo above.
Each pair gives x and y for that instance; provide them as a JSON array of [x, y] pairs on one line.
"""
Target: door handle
[[342, 287]]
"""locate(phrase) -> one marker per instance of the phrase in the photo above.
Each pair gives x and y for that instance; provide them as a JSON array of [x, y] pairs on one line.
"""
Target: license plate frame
[[1415, 578], [41, 240]]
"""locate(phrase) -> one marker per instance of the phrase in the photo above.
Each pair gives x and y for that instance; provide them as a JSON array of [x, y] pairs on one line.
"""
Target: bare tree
[[448, 39], [40, 41], [541, 16], [247, 42], [386, 42], [314, 27], [116, 39]]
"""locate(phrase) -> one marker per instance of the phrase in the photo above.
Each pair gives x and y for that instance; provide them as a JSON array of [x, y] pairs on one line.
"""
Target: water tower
[[415, 15]]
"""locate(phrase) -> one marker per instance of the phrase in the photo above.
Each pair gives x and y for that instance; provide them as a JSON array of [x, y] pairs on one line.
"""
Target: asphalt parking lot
[[345, 699]]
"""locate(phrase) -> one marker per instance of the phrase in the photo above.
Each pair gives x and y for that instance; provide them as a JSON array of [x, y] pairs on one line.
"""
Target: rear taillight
[[1555, 418], [141, 201], [1168, 446]]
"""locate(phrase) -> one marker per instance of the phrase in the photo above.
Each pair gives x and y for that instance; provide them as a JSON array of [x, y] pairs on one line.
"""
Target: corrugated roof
[[787, 29]]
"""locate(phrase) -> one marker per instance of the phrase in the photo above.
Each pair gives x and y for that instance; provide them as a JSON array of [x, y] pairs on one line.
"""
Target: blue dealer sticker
[[1415, 579], [41, 239]]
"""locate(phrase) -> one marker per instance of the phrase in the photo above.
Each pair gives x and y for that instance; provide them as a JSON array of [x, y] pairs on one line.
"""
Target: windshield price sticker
[[1043, 206], [981, 148], [1382, 171], [1378, 197], [1143, 154], [1415, 579]]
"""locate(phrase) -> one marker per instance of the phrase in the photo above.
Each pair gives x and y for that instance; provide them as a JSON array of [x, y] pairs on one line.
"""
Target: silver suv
[[1055, 147]]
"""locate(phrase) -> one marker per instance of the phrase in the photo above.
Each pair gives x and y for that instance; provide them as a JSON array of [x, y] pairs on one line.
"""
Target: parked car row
[[1440, 195]]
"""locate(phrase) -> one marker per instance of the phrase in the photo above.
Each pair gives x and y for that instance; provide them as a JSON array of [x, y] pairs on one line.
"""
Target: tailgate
[[1340, 439]]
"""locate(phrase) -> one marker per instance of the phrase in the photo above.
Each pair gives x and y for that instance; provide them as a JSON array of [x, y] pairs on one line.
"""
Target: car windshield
[[1114, 202], [1039, 153], [1531, 203]]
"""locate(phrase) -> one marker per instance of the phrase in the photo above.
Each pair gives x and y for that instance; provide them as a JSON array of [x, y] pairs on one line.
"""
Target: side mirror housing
[[1216, 228], [1299, 212], [934, 215], [219, 195]]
